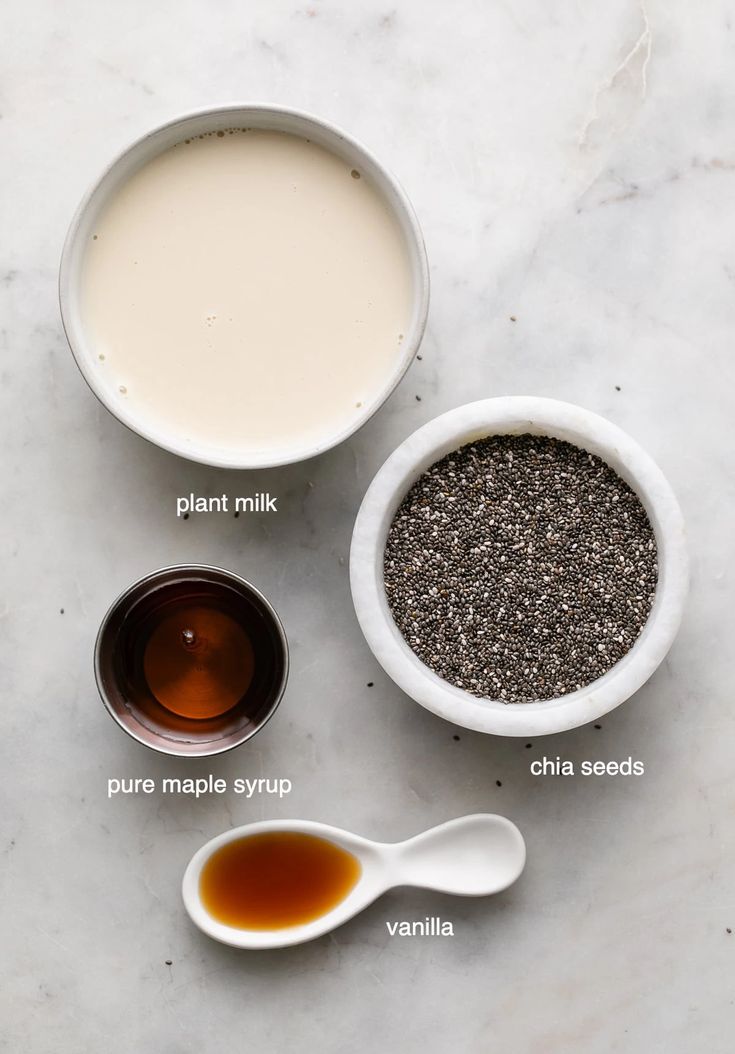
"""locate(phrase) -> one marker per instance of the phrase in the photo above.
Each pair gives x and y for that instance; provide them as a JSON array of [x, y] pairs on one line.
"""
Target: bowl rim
[[194, 569], [517, 415], [146, 146]]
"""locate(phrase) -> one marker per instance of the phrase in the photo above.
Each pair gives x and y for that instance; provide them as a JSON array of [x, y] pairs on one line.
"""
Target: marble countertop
[[572, 166]]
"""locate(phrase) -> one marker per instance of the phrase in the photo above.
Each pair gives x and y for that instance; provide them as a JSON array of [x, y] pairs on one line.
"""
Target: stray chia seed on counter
[[520, 568]]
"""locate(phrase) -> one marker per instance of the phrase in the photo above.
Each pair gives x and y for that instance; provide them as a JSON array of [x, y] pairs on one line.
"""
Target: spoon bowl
[[472, 856]]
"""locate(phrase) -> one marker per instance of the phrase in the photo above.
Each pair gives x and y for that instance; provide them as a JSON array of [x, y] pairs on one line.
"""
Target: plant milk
[[248, 291]]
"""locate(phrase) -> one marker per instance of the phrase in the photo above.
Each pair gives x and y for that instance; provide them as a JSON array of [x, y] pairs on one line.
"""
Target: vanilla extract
[[276, 880]]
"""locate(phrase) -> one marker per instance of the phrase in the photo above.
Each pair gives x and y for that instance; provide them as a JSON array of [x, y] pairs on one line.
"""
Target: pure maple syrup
[[277, 879], [191, 660], [198, 659]]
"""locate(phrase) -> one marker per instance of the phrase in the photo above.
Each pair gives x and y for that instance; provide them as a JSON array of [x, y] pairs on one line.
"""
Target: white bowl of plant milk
[[244, 286]]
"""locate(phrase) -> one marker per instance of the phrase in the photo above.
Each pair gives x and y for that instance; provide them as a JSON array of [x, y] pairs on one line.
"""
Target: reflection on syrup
[[198, 661], [274, 880]]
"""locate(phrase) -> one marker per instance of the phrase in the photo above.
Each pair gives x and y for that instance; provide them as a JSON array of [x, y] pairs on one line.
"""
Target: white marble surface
[[573, 165]]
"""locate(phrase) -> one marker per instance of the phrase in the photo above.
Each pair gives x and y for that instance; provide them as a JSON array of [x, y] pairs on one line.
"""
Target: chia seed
[[520, 568]]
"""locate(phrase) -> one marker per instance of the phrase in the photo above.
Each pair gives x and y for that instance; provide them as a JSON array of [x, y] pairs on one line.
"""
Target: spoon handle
[[471, 856]]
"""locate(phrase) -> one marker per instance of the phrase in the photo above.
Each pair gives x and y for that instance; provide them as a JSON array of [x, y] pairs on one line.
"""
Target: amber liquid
[[198, 661], [278, 879], [194, 658]]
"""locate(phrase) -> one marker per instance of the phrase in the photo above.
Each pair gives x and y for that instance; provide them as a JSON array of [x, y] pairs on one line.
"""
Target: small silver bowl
[[119, 661]]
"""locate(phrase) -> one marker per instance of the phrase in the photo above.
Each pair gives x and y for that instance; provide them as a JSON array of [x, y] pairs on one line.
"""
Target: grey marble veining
[[572, 165]]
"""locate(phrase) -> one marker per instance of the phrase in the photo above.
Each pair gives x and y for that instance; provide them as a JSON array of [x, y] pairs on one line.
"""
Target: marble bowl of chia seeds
[[519, 566]]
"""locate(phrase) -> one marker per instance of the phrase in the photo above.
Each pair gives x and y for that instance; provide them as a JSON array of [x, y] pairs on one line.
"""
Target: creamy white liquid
[[247, 292]]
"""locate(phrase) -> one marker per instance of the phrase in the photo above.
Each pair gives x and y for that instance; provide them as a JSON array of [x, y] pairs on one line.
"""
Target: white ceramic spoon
[[472, 856]]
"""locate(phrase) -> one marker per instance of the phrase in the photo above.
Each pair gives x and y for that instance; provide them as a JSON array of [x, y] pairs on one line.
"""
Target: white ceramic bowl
[[143, 150], [516, 415]]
